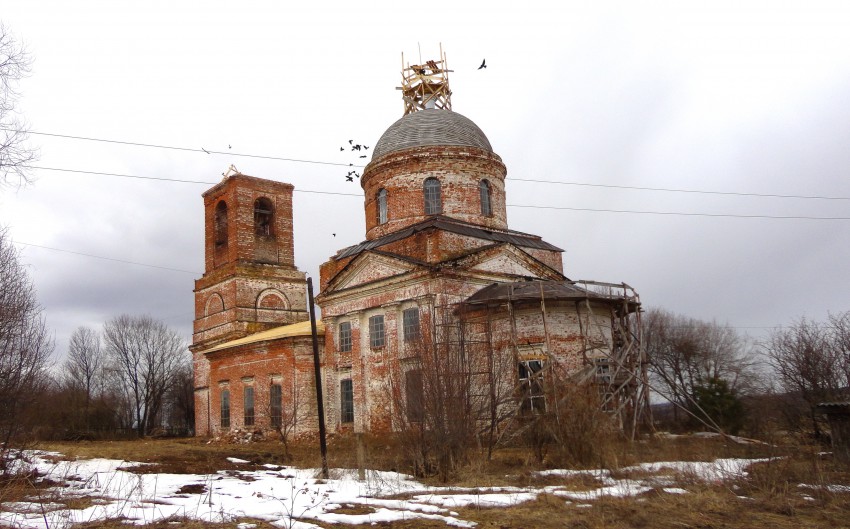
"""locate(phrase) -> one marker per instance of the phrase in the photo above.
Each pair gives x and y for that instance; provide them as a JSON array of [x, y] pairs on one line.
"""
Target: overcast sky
[[731, 97]]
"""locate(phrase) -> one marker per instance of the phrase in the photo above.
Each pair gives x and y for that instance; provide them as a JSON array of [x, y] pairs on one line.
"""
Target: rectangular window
[[413, 395], [225, 408], [248, 402], [376, 331], [345, 336], [410, 319], [531, 386], [346, 401], [276, 405]]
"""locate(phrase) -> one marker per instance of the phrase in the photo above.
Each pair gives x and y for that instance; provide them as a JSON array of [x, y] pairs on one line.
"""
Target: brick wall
[[459, 170]]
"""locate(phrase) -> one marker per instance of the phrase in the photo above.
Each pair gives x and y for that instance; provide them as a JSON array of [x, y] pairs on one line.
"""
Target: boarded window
[[248, 402], [410, 319], [221, 224], [382, 206], [433, 200], [484, 188], [276, 405], [376, 331], [263, 216], [413, 395], [532, 399], [225, 408], [345, 337], [346, 401]]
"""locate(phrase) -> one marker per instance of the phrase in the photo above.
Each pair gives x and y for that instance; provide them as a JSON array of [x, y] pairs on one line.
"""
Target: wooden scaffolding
[[425, 86]]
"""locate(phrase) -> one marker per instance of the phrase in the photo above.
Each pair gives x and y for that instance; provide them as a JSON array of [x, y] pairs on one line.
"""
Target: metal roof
[[284, 331], [431, 127], [454, 226], [537, 290]]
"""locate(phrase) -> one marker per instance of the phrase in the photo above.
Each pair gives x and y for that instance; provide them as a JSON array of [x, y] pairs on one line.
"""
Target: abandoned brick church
[[440, 287]]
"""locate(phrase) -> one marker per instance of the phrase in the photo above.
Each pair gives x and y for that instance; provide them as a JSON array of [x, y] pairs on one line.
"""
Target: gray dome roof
[[431, 127]]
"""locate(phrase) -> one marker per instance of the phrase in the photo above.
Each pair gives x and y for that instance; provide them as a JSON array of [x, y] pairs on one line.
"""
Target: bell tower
[[250, 281]]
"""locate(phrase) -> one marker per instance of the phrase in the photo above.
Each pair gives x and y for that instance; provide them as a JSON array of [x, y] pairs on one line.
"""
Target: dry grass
[[771, 497]]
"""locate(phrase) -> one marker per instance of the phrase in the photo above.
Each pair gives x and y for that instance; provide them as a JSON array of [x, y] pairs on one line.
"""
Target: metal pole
[[320, 405]]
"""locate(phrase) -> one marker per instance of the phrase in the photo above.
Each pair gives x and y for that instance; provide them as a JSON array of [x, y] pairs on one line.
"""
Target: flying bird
[[350, 142], [366, 147], [483, 64], [363, 156], [348, 178], [334, 234], [228, 146], [342, 148]]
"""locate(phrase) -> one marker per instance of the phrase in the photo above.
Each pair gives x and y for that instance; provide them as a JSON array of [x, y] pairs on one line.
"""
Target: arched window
[[433, 201], [263, 216], [382, 206], [484, 188], [221, 224]]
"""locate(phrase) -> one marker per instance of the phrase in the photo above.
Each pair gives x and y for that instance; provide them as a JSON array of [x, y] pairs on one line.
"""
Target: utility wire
[[530, 180], [185, 149], [675, 190], [533, 206], [107, 258], [682, 213]]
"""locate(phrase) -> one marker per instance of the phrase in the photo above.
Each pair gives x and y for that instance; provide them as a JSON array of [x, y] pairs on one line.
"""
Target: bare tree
[[686, 353], [811, 362], [14, 152], [84, 364], [25, 344], [145, 356], [180, 399]]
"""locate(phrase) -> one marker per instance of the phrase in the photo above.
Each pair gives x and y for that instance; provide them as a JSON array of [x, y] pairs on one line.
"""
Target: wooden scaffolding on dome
[[425, 86]]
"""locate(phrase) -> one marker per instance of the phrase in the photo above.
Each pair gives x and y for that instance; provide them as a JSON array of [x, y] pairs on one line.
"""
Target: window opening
[[263, 216], [221, 224], [345, 336], [433, 201], [276, 405], [346, 396], [225, 408], [248, 401], [484, 188], [531, 386], [376, 331], [413, 395], [382, 206], [410, 319]]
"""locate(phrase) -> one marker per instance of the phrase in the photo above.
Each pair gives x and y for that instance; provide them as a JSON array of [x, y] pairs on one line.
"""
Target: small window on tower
[[263, 216], [382, 206], [221, 224], [433, 200], [484, 188]]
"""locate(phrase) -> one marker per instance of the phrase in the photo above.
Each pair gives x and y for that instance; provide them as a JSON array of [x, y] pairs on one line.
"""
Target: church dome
[[430, 128]]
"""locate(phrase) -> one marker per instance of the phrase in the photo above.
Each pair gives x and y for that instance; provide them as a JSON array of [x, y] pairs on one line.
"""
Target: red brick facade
[[407, 286]]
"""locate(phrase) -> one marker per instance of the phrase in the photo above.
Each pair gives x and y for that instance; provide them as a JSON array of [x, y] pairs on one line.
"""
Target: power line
[[107, 258], [681, 213], [163, 179], [184, 149], [530, 180], [532, 206], [675, 190]]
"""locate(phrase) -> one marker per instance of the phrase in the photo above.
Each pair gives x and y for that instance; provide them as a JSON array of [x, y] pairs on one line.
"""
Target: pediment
[[508, 260], [369, 267]]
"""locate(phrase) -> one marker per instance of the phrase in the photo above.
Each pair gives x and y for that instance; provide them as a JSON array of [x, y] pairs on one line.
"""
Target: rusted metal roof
[[440, 222], [545, 290]]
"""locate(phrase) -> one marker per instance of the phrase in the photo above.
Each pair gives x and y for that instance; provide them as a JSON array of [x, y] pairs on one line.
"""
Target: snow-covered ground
[[292, 498]]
